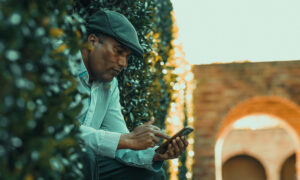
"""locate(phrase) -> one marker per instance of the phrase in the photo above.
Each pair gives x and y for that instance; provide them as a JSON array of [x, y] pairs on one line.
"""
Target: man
[[112, 151]]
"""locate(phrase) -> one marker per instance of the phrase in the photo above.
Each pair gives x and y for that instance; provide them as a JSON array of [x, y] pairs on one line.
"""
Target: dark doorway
[[243, 167], [288, 169]]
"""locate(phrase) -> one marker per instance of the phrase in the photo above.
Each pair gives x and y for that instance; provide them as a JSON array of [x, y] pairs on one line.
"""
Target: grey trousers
[[103, 168]]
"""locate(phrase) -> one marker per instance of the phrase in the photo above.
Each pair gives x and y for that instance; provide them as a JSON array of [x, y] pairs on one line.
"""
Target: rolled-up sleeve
[[140, 158]]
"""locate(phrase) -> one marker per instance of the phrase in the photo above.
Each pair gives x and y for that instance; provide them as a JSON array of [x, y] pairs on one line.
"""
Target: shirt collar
[[81, 70], [81, 67], [83, 74]]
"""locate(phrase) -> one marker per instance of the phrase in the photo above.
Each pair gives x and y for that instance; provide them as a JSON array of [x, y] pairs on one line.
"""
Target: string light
[[183, 94]]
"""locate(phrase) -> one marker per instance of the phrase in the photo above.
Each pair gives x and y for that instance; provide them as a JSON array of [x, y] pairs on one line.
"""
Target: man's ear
[[92, 39]]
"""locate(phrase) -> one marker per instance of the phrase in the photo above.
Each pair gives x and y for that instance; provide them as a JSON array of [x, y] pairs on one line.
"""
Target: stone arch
[[243, 166], [283, 109]]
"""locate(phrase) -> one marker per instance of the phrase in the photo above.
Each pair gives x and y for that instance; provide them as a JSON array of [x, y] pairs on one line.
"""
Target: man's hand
[[175, 149], [142, 137]]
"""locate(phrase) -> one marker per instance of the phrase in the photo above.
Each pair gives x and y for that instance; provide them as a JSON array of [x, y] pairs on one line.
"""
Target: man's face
[[107, 59]]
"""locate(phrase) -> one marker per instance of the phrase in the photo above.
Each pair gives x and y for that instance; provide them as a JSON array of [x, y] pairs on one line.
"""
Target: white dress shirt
[[102, 122]]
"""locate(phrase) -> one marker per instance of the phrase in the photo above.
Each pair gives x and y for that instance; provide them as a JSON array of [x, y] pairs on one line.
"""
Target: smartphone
[[183, 132]]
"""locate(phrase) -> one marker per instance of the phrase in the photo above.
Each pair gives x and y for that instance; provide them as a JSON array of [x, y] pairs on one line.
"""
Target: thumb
[[152, 120]]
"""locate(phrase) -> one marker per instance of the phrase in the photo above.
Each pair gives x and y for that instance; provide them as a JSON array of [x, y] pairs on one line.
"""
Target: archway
[[243, 166], [285, 110]]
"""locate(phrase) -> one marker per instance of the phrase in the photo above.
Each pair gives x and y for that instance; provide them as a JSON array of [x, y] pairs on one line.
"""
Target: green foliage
[[38, 131], [39, 101]]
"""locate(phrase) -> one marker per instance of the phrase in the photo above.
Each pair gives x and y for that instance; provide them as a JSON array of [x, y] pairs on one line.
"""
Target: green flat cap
[[117, 26]]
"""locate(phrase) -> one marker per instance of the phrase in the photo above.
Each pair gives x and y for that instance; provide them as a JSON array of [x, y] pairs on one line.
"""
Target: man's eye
[[119, 51]]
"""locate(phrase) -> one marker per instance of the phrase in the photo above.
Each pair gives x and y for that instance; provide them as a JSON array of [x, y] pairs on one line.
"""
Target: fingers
[[171, 151], [177, 150], [147, 135], [150, 122], [186, 143], [155, 128], [161, 134], [178, 146], [147, 126], [152, 138], [151, 141], [180, 143], [157, 132], [155, 139]]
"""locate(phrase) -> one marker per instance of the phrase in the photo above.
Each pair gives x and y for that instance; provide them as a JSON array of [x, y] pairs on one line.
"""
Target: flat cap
[[117, 26]]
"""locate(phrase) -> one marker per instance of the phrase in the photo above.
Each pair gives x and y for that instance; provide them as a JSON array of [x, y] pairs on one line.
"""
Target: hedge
[[39, 100]]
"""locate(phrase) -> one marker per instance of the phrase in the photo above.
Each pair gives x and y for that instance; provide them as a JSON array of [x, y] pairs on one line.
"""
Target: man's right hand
[[142, 137]]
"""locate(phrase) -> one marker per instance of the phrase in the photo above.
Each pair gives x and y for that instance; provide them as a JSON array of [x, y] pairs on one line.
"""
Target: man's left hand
[[175, 149]]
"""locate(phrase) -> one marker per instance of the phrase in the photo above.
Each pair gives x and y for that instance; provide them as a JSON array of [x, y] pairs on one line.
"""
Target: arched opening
[[243, 167], [285, 111], [288, 169], [259, 136]]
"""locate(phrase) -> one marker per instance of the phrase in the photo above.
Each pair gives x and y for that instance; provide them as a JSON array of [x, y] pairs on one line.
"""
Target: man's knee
[[160, 175], [113, 169], [139, 173]]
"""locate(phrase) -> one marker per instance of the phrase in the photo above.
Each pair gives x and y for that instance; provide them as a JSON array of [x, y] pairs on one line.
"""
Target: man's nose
[[123, 61]]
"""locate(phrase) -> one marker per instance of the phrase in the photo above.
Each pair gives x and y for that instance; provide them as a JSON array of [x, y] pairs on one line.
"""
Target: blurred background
[[245, 87], [229, 69]]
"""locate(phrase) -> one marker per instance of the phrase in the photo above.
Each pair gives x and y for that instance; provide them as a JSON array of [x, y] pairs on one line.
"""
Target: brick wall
[[226, 92]]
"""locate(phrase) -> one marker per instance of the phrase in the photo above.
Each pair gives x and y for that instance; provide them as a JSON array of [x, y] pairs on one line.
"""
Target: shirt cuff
[[109, 144], [150, 164], [157, 165], [139, 158]]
